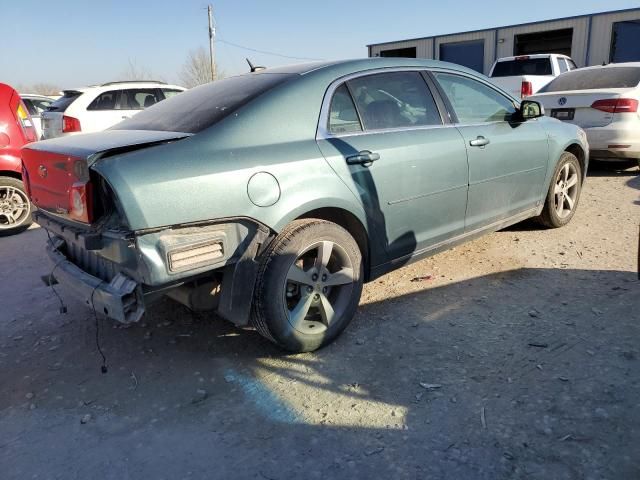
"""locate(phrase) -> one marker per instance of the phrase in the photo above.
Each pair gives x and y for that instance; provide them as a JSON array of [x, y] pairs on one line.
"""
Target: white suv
[[97, 108]]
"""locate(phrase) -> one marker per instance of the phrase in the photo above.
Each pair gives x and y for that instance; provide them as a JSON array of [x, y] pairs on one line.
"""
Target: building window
[[470, 54], [550, 41], [399, 52], [625, 41]]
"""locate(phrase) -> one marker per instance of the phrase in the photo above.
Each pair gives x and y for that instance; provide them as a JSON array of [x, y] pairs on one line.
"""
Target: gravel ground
[[514, 356]]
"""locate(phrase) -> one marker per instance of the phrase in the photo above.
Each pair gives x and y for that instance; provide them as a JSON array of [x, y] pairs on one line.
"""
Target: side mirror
[[531, 109]]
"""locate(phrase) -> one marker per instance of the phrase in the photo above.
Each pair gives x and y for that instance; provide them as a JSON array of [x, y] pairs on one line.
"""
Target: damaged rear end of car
[[114, 266]]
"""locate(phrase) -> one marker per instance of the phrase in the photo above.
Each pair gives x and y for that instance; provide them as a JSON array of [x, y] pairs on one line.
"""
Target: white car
[[36, 104], [96, 108], [603, 100], [524, 75]]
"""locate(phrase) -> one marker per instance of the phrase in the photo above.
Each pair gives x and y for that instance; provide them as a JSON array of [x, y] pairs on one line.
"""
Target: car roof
[[361, 64], [123, 85], [535, 55]]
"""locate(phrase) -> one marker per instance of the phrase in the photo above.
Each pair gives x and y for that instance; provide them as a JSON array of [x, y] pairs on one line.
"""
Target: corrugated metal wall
[[597, 47], [601, 27]]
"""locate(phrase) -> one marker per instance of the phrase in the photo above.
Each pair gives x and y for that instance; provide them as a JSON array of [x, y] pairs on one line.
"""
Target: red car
[[16, 129]]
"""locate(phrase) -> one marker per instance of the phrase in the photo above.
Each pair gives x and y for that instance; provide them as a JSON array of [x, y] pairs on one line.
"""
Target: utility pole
[[212, 37]]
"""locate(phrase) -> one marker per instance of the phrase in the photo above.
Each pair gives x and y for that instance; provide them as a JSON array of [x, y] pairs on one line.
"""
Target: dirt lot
[[518, 358]]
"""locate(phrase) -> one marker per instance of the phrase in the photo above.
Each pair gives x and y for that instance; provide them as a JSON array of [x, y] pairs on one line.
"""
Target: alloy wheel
[[14, 207], [318, 287], [566, 190]]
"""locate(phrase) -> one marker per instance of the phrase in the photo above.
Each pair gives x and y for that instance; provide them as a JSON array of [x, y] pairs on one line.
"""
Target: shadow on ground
[[531, 373]]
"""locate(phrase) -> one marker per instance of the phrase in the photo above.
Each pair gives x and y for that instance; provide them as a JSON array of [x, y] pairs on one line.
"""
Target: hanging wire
[[265, 52]]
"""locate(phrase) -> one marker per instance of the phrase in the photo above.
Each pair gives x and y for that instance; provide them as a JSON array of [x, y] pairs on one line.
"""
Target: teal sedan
[[271, 197]]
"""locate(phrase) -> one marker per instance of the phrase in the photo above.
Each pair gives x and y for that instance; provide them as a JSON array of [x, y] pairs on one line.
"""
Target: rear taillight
[[80, 201], [26, 123], [526, 89], [70, 124], [616, 105]]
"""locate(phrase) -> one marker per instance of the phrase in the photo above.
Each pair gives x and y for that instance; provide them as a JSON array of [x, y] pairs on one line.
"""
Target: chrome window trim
[[322, 131]]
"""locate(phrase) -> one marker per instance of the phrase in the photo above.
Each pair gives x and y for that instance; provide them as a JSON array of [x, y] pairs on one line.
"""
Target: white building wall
[[601, 29], [591, 38], [423, 47]]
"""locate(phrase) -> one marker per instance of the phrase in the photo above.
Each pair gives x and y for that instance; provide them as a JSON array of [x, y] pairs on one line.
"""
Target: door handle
[[479, 142], [365, 158]]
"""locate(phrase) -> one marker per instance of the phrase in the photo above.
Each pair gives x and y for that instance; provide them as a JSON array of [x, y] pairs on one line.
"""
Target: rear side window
[[104, 101], [571, 63], [201, 107], [168, 92], [606, 77], [394, 100], [343, 117], [61, 104], [524, 66], [138, 98], [562, 63]]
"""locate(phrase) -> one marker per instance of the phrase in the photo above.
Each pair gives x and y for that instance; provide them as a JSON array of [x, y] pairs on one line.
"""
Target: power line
[[265, 52]]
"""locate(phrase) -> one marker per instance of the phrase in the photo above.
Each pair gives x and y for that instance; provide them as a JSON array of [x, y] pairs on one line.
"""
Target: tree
[[43, 89], [196, 70], [135, 71]]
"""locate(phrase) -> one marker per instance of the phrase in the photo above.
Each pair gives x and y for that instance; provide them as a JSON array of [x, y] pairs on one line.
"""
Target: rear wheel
[[15, 208], [564, 192], [308, 286]]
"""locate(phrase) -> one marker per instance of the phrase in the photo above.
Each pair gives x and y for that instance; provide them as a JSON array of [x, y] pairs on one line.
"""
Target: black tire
[[7, 199], [296, 252], [550, 216]]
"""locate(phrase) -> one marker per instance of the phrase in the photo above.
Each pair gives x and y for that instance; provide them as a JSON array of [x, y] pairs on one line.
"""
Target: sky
[[71, 43]]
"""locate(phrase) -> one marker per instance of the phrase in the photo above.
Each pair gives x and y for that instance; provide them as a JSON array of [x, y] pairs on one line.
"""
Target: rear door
[[384, 136], [507, 160], [102, 112]]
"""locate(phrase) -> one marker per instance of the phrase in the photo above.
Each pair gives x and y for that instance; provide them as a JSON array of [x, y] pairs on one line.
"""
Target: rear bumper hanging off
[[120, 299]]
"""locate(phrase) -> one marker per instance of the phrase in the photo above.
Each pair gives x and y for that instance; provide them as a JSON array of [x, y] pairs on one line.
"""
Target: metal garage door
[[470, 54], [551, 41]]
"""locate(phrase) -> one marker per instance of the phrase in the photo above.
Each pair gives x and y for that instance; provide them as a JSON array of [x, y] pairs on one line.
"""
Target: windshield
[[201, 107], [526, 66], [594, 78]]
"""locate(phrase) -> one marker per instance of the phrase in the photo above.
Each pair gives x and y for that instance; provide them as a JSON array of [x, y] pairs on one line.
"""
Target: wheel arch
[[351, 224], [10, 173], [577, 150]]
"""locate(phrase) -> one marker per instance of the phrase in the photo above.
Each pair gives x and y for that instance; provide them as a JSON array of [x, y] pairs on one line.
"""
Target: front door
[[507, 159], [385, 138]]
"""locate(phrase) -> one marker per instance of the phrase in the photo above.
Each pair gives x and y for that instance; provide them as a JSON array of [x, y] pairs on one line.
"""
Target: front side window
[[394, 100], [104, 101], [343, 117], [473, 101]]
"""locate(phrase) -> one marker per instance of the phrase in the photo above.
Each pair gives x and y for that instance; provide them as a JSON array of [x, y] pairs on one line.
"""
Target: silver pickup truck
[[524, 75]]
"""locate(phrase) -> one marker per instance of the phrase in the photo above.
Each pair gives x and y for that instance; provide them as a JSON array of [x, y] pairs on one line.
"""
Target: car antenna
[[253, 67]]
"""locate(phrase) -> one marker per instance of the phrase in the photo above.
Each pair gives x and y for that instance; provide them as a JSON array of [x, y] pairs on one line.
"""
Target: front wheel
[[15, 208], [564, 192], [309, 285]]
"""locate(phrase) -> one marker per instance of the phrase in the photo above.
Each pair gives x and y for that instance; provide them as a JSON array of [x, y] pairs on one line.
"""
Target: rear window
[[528, 66], [611, 77], [61, 104], [201, 107]]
